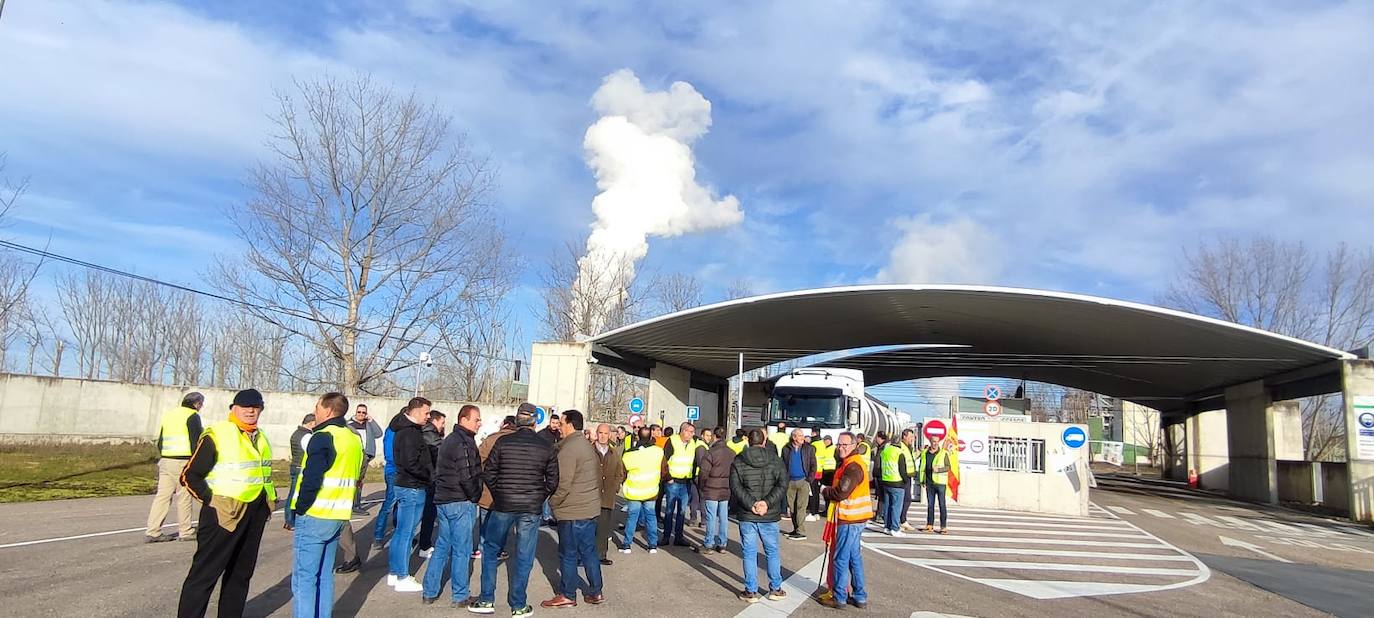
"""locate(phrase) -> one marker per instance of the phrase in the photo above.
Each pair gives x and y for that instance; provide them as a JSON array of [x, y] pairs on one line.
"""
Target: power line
[[281, 310]]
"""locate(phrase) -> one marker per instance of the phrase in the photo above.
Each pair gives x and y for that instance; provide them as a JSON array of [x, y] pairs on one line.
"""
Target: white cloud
[[954, 251]]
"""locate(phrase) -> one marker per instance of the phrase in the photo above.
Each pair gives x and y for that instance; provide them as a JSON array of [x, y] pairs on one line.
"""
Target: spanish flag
[[953, 442]]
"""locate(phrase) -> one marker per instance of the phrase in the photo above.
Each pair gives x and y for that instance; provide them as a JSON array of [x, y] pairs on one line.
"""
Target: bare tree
[[580, 305], [366, 228], [16, 274], [675, 292], [739, 288], [474, 354], [1285, 288]]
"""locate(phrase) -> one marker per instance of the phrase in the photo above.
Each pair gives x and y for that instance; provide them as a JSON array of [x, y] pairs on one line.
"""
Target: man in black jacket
[[414, 473], [521, 472], [299, 438], [433, 433], [457, 488], [758, 484]]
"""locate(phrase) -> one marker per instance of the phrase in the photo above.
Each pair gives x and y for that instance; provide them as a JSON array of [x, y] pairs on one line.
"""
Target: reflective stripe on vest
[[891, 457], [242, 471], [642, 468], [335, 498], [176, 441], [825, 456], [858, 507], [941, 459], [680, 464], [737, 444]]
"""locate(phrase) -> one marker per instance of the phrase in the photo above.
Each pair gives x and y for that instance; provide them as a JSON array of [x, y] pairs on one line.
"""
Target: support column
[[1250, 443], [1357, 379], [560, 376], [669, 391]]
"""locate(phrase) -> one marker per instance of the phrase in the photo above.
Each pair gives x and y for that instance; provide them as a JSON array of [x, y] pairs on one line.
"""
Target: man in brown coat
[[576, 505], [713, 481], [612, 475], [484, 504]]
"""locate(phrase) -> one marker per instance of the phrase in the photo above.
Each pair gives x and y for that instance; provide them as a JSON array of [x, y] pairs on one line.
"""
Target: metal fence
[[1016, 454]]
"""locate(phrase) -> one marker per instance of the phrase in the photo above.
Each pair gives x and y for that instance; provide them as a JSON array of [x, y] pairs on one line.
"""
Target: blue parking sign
[[693, 413]]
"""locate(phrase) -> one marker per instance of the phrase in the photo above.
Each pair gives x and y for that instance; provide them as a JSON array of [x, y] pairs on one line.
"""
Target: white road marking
[[1121, 510], [1031, 518], [1194, 518], [1226, 540], [1239, 524], [1014, 561], [1158, 513], [799, 588]]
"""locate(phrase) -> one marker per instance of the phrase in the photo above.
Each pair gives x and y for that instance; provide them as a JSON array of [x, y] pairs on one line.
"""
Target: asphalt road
[[1145, 551]]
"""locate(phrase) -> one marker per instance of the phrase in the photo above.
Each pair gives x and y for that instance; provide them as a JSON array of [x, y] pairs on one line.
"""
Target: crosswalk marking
[[1239, 524], [1016, 551], [1158, 513], [1121, 510]]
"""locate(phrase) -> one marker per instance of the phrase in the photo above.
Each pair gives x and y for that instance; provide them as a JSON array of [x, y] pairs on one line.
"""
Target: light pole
[[424, 360]]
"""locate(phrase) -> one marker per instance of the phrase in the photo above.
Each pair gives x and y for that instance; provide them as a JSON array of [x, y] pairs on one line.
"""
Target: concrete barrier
[[45, 409]]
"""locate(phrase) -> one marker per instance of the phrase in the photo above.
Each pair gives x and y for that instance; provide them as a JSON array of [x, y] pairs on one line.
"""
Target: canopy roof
[[1158, 357]]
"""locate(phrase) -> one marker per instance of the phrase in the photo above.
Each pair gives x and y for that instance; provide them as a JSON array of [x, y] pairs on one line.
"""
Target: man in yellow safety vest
[[643, 467], [825, 462], [680, 459], [230, 472], [178, 432], [323, 504]]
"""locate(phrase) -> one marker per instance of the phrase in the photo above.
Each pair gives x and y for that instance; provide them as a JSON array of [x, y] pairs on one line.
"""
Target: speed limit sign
[[992, 408]]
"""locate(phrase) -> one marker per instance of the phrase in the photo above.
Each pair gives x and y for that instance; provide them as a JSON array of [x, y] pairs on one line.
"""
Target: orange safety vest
[[858, 507]]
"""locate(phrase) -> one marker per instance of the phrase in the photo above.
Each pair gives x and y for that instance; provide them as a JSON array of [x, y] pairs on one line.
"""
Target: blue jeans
[[518, 566], [675, 510], [387, 504], [717, 518], [410, 503], [287, 512], [312, 578], [577, 543], [452, 546], [641, 510], [750, 533], [849, 564], [893, 501]]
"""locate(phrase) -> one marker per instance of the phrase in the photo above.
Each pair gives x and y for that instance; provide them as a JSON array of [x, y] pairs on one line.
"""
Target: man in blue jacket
[[388, 473]]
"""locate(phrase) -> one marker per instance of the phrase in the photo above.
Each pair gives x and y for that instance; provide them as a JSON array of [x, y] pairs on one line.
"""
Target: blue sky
[[1070, 146]]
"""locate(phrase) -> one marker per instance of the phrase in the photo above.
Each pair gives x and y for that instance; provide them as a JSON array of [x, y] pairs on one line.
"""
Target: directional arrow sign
[[1228, 541]]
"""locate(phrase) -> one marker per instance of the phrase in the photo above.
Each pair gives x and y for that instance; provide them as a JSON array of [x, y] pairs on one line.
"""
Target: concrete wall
[[1298, 481], [1207, 449], [1358, 378], [1063, 488], [1250, 438], [44, 409], [560, 375], [669, 394], [1288, 442]]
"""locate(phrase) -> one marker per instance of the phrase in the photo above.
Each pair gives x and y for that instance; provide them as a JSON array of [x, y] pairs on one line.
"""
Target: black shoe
[[503, 555], [607, 562], [428, 601], [350, 566], [378, 545], [682, 544], [797, 536], [160, 538]]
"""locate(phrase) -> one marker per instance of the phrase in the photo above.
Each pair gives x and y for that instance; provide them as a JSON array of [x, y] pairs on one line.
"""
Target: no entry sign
[[934, 430]]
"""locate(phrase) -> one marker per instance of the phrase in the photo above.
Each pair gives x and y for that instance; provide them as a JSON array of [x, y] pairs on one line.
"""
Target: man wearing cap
[[179, 431], [521, 473], [230, 472]]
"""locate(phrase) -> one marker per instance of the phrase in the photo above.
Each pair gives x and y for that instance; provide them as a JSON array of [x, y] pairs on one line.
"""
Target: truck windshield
[[811, 407]]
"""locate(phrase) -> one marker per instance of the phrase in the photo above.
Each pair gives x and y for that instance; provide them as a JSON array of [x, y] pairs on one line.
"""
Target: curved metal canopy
[[1158, 357]]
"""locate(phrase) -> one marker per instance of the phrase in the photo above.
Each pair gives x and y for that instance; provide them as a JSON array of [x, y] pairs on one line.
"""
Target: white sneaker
[[812, 518], [409, 584], [625, 551], [391, 580], [426, 553], [896, 534], [653, 551]]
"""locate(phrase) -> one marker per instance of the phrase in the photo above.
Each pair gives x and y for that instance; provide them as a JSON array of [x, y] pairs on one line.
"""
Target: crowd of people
[[465, 504]]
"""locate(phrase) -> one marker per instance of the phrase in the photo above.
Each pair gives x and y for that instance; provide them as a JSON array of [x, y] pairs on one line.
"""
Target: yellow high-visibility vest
[[642, 469], [737, 444], [684, 453], [779, 440], [910, 456], [891, 457], [825, 456], [941, 459], [176, 441], [242, 471], [335, 499]]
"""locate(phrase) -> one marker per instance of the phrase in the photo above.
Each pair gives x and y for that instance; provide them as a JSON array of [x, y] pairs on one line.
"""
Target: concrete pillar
[[1208, 451], [669, 391], [1250, 442], [1357, 378], [560, 375]]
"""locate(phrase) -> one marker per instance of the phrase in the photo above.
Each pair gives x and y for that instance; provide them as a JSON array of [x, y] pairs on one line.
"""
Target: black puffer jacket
[[521, 472], [757, 474], [458, 477], [414, 465]]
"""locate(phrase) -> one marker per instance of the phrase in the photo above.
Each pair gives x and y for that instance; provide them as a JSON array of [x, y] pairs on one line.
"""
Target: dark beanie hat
[[248, 398]]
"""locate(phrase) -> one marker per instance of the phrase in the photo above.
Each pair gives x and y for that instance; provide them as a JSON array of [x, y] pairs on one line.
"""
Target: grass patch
[[34, 472]]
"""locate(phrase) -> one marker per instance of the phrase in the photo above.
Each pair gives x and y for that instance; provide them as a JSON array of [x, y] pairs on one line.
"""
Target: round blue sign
[[1367, 420], [992, 392], [1075, 437], [539, 415], [636, 405]]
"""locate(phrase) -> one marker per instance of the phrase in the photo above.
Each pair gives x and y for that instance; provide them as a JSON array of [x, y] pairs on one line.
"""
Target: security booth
[[1019, 466]]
